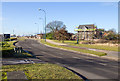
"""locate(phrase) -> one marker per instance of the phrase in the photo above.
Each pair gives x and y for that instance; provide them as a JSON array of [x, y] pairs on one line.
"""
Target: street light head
[[40, 18], [39, 9]]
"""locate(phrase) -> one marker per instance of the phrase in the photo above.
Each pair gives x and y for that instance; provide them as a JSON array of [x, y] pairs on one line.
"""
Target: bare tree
[[54, 26]]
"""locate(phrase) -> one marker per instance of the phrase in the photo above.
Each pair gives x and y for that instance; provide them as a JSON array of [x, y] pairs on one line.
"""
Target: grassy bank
[[21, 38], [75, 49], [103, 47], [41, 71], [7, 49]]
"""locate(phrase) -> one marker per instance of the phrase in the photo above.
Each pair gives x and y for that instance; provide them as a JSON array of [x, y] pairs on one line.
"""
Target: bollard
[[16, 49], [20, 49]]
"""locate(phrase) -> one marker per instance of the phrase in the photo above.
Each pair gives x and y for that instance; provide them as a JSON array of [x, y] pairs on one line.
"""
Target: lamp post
[[45, 21], [38, 27], [43, 25], [78, 38]]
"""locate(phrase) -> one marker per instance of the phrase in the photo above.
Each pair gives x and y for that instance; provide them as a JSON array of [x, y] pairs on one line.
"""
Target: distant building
[[86, 32], [39, 36]]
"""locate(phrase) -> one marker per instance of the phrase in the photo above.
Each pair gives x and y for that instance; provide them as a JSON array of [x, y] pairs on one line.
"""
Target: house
[[39, 36], [86, 32]]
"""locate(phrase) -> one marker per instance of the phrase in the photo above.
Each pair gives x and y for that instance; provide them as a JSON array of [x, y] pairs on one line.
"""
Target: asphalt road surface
[[93, 68]]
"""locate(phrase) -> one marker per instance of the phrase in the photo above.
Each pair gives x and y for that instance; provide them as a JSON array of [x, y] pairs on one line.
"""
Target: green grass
[[22, 55], [76, 49], [13, 38], [66, 41], [41, 71], [103, 47], [8, 51], [21, 38], [7, 48], [4, 75]]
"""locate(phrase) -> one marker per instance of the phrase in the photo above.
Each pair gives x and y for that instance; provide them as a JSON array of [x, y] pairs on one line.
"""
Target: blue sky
[[22, 16]]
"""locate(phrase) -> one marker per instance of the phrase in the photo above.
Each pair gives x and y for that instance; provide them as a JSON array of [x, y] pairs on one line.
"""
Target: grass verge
[[103, 47], [7, 49], [75, 49], [4, 75], [21, 38], [41, 71]]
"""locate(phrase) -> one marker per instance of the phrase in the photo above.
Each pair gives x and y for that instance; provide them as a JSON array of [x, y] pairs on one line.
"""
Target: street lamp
[[38, 27], [45, 21], [43, 24], [78, 38]]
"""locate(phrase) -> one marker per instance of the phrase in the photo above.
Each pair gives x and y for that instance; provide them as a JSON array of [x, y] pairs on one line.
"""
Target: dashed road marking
[[77, 57], [102, 64]]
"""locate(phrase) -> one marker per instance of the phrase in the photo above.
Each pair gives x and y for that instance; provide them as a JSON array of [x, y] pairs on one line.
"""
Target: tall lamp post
[[43, 25], [38, 27], [78, 38], [45, 21]]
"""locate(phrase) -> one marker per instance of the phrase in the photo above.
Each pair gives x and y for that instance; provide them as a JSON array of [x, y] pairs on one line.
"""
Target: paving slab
[[16, 75]]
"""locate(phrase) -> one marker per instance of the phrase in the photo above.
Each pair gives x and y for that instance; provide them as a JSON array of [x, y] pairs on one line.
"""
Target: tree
[[112, 31], [111, 35], [61, 34], [99, 33], [54, 26]]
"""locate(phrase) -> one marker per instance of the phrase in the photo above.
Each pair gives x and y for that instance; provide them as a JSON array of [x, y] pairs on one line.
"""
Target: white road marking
[[96, 62], [43, 52], [77, 57], [51, 54], [102, 64], [90, 61]]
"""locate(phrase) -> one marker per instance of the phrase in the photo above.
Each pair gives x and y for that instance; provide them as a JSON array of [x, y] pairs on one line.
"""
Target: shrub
[[5, 44]]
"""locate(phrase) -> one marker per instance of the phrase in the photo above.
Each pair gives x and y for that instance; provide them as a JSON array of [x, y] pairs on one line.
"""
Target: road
[[93, 68]]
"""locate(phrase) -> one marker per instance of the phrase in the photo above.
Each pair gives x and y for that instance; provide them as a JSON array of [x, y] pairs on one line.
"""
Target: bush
[[7, 53], [5, 44], [8, 39], [49, 36], [13, 38]]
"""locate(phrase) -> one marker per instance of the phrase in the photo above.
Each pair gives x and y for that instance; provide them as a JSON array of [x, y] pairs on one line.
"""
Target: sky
[[20, 17]]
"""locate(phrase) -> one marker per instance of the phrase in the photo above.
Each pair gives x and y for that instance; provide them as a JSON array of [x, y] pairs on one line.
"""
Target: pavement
[[93, 68], [50, 41], [110, 54], [16, 75]]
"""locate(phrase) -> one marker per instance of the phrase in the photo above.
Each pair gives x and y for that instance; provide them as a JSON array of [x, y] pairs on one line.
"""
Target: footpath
[[113, 55]]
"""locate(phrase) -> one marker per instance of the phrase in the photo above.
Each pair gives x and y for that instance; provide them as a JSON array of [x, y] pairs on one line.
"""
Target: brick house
[[86, 32]]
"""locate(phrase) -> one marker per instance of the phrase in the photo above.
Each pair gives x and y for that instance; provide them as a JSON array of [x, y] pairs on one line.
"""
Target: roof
[[89, 26]]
